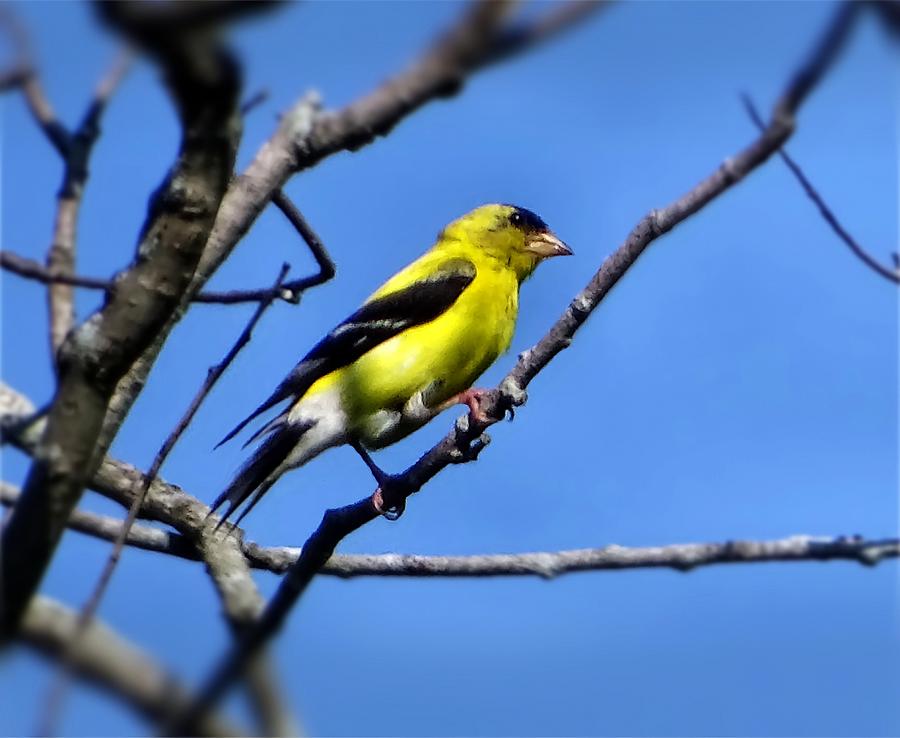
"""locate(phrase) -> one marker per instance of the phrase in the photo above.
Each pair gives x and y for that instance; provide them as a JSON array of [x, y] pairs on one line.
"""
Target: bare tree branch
[[464, 443], [254, 101], [292, 291], [106, 659], [551, 564], [23, 75], [56, 696], [204, 83], [30, 269], [227, 567], [892, 275], [75, 147], [61, 254], [544, 564]]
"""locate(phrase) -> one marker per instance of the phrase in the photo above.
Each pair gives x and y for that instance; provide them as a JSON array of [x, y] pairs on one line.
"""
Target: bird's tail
[[259, 473]]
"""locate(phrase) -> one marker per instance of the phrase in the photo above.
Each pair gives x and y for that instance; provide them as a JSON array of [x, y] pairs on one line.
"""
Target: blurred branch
[[168, 504], [465, 442], [254, 101], [892, 275], [23, 75], [61, 255], [544, 564], [519, 36], [75, 147], [890, 14], [106, 659], [30, 269], [276, 719], [204, 83]]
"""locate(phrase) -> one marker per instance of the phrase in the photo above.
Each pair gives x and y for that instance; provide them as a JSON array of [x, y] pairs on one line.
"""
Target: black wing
[[373, 324]]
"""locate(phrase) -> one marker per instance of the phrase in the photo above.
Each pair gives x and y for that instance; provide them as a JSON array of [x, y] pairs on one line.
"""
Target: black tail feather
[[243, 424], [272, 426], [254, 475]]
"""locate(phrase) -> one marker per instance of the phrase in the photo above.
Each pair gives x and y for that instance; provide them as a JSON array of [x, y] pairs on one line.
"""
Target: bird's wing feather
[[378, 320]]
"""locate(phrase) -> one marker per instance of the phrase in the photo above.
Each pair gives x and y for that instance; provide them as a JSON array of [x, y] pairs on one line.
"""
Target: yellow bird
[[413, 349]]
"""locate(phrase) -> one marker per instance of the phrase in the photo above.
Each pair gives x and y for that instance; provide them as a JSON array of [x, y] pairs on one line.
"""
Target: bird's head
[[511, 234]]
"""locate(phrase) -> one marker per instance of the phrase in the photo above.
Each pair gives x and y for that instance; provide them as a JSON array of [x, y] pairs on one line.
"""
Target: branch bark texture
[[545, 564], [204, 82]]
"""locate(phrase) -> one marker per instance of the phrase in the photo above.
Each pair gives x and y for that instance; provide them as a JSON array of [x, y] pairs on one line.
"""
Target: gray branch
[[106, 659], [226, 565], [204, 83], [544, 564]]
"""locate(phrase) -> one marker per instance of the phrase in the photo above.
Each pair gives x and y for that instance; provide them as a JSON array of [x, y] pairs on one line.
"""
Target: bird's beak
[[546, 245]]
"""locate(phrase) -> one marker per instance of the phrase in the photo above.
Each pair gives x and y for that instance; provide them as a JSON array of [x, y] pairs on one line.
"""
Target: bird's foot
[[392, 485], [392, 512], [475, 398]]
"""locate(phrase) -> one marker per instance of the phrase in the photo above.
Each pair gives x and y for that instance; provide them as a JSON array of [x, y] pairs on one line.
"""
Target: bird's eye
[[515, 218]]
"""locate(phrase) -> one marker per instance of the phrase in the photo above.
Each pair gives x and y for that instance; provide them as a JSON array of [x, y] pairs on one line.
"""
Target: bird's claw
[[391, 513]]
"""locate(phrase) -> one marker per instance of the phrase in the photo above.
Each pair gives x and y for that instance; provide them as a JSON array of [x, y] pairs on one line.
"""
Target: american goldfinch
[[412, 350]]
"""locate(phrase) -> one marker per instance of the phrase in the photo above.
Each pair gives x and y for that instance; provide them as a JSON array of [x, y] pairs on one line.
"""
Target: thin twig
[[289, 291], [465, 442], [61, 254], [870, 261], [255, 100], [34, 270], [544, 564], [292, 291], [75, 148], [23, 75], [31, 269], [59, 687]]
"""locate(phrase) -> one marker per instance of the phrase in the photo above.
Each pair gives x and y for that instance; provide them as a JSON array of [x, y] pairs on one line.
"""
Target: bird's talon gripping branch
[[473, 398], [392, 512]]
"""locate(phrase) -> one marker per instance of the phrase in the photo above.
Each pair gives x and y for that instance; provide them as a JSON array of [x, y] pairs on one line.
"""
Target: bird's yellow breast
[[440, 358]]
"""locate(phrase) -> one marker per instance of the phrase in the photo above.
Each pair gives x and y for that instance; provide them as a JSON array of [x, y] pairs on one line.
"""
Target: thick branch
[[112, 663], [240, 590], [204, 83]]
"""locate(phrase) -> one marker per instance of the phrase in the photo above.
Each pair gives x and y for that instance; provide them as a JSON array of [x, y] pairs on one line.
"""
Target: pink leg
[[472, 397]]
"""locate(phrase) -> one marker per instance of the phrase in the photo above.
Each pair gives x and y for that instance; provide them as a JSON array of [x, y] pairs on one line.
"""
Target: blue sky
[[741, 381]]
